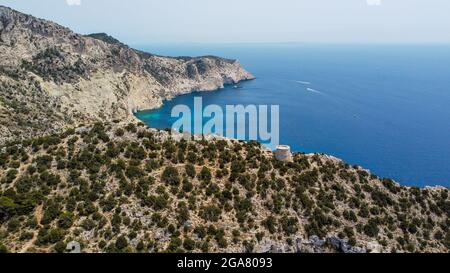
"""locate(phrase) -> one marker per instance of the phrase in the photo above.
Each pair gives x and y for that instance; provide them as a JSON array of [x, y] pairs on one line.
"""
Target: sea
[[383, 107]]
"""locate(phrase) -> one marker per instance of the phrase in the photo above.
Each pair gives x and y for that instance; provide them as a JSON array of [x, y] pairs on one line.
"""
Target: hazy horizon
[[251, 21]]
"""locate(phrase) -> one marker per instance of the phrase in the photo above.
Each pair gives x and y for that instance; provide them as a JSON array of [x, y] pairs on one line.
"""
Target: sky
[[250, 21]]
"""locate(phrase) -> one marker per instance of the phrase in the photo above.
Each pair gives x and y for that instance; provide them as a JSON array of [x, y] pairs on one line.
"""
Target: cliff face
[[86, 78]]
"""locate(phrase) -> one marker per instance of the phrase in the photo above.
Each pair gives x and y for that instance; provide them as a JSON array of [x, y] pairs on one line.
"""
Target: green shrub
[[189, 244], [49, 236], [3, 249], [13, 225], [211, 213], [205, 175], [121, 242], [119, 132], [10, 176], [88, 224], [65, 220], [60, 247], [187, 186], [190, 170], [289, 225], [270, 223], [371, 228], [170, 176]]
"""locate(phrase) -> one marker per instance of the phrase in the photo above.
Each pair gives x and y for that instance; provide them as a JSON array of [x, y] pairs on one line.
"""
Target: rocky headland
[[51, 77]]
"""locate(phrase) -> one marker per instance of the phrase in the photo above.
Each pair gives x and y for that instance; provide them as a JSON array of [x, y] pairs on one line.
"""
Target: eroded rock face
[[314, 244], [92, 77], [331, 244]]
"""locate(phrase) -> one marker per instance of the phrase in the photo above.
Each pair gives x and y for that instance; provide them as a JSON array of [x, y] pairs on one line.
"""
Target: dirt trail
[[29, 244]]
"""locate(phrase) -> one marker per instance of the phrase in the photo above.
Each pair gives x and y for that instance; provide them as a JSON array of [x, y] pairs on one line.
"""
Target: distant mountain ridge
[[88, 78], [105, 38]]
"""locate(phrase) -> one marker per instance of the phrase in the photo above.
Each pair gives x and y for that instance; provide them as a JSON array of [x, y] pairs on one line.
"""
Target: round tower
[[283, 153]]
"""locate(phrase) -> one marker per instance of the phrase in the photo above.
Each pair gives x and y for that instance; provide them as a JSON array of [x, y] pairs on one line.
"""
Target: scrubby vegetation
[[105, 38], [26, 110], [53, 64], [52, 78], [126, 188]]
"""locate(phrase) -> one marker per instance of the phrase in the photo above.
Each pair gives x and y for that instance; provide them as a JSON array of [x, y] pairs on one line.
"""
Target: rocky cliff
[[51, 77]]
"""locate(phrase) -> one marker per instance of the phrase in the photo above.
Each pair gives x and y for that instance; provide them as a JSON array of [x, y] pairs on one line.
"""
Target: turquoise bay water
[[386, 108]]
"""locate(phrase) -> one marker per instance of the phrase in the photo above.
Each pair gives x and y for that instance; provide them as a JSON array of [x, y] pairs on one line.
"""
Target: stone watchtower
[[283, 153]]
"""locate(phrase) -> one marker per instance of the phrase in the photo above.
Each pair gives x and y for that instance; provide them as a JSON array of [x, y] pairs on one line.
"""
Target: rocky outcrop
[[314, 244], [93, 77]]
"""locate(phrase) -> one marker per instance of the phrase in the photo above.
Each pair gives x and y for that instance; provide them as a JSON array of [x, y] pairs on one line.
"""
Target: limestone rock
[[79, 79]]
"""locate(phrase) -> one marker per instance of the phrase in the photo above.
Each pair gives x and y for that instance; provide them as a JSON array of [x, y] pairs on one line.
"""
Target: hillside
[[126, 188], [76, 166], [51, 77]]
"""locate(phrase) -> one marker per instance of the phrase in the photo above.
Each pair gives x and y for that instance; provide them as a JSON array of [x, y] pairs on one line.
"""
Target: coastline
[[167, 133], [173, 96], [196, 136]]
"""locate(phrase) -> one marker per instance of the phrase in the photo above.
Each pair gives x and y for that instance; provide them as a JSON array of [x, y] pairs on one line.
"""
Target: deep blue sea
[[384, 107]]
